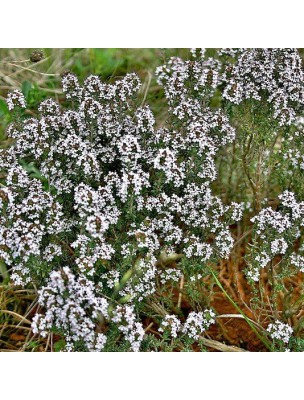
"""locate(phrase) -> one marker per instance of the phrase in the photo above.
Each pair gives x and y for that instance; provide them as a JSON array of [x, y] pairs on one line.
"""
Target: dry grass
[[16, 309]]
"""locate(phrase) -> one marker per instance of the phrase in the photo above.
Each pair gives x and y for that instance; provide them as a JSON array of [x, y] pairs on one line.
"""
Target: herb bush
[[114, 216]]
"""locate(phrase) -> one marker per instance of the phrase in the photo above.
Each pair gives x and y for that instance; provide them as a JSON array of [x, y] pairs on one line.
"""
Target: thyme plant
[[114, 216]]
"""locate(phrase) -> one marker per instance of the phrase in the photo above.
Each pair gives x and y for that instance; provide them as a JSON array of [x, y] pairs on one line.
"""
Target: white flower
[[171, 324], [15, 99], [280, 331], [197, 322]]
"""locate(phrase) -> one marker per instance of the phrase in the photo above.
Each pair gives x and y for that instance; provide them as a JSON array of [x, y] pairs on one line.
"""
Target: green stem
[[4, 272], [265, 342]]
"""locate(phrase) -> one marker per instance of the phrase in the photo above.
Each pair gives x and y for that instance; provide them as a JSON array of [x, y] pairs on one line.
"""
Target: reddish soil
[[236, 331], [233, 331]]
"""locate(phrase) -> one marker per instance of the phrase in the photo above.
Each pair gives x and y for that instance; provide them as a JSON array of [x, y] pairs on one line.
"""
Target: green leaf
[[58, 346], [3, 108], [4, 272], [26, 87]]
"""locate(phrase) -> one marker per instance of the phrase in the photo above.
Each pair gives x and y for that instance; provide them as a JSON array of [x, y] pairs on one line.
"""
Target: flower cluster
[[275, 233], [195, 324], [72, 306], [132, 330], [170, 324], [75, 305], [280, 331], [15, 99], [29, 214], [274, 74], [298, 261]]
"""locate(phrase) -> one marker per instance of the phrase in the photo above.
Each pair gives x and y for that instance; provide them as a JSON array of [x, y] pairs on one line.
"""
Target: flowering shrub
[[107, 211]]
